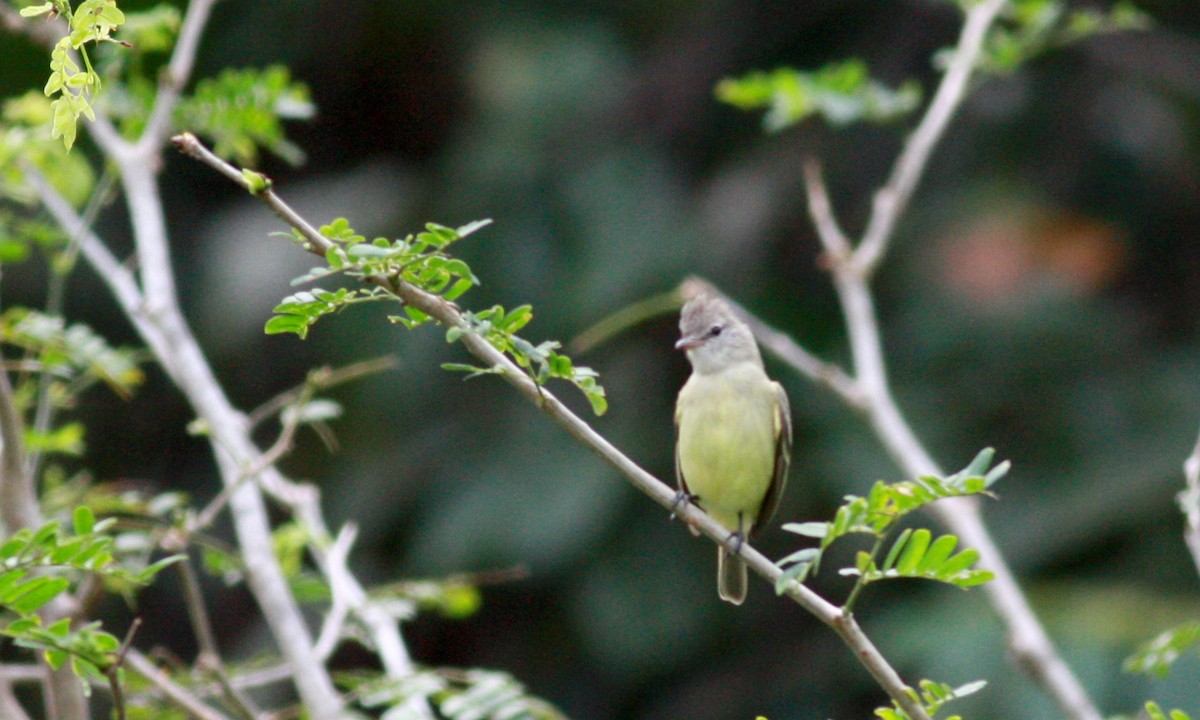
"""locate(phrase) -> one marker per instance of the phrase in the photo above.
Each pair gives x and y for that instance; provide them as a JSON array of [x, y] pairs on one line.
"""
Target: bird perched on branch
[[733, 432]]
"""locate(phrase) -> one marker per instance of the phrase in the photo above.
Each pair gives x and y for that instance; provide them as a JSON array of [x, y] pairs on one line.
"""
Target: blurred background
[[1042, 297]]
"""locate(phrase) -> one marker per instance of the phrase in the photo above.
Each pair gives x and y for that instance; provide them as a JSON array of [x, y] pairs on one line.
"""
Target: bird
[[733, 432]]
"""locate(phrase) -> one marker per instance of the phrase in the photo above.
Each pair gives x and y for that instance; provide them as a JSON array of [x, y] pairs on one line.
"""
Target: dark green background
[[1041, 298]]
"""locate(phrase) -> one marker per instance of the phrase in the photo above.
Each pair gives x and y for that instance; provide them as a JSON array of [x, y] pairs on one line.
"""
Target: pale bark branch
[[166, 333], [180, 696], [892, 199], [448, 315], [851, 271], [1189, 503]]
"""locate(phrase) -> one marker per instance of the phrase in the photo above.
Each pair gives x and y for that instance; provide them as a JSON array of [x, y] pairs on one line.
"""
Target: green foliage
[[421, 260], [541, 362], [93, 21], [1158, 655], [842, 93], [470, 694], [1031, 27], [25, 138], [418, 259], [455, 598], [1155, 712], [241, 111], [74, 354], [915, 553], [38, 565], [933, 696]]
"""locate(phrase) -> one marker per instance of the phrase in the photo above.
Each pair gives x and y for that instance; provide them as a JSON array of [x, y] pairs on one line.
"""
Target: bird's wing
[[679, 480], [783, 459]]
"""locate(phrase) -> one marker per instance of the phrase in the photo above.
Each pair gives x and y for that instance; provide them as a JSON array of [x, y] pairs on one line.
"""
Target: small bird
[[733, 431]]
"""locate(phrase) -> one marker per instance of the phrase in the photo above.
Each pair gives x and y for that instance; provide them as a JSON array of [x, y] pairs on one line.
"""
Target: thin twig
[[448, 315], [820, 209], [209, 659], [18, 500], [177, 694], [114, 670], [322, 379], [892, 199], [851, 275], [175, 76]]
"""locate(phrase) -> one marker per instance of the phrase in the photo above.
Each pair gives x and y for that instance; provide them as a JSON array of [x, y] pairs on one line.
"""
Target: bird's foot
[[682, 497], [735, 542]]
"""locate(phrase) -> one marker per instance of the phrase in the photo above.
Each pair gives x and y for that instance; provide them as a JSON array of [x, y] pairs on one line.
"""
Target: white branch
[[1189, 503], [851, 276], [166, 333], [892, 199], [174, 77]]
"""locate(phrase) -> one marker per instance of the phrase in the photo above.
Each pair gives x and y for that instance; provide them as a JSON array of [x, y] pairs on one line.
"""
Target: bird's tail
[[731, 577]]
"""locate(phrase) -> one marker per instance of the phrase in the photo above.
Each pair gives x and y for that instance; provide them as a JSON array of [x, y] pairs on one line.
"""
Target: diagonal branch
[[892, 199], [851, 273], [447, 314]]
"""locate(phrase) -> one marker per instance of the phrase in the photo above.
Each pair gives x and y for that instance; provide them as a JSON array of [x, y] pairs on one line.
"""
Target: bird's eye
[[715, 330]]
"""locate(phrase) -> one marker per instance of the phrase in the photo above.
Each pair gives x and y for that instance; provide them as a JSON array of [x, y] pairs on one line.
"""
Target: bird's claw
[[682, 497]]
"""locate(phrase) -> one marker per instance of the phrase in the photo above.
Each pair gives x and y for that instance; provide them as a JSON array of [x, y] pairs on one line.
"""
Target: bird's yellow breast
[[728, 432]]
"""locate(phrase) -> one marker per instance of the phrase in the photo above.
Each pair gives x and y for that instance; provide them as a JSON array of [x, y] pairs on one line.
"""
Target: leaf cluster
[[932, 696], [241, 111], [1029, 28], [470, 694], [842, 93], [92, 21], [73, 353], [1156, 656], [421, 260], [38, 565], [542, 362], [914, 553]]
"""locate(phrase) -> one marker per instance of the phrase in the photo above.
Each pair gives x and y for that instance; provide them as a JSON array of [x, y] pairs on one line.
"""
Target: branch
[[177, 694], [174, 77], [161, 325], [851, 274], [18, 500], [1189, 503], [892, 199], [447, 314]]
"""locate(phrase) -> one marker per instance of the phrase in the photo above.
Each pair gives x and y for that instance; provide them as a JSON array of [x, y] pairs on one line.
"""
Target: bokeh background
[[1042, 297]]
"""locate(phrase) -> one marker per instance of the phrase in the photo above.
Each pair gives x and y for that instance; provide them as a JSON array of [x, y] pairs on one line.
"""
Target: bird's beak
[[689, 342]]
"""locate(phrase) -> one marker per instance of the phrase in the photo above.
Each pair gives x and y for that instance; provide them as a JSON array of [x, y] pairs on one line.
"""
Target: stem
[[448, 315], [848, 606]]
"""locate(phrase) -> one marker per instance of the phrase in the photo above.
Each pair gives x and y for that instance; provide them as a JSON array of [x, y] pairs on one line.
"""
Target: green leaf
[[890, 561], [808, 529], [913, 552], [939, 551], [842, 93], [1156, 656], [36, 10], [84, 520], [241, 112], [35, 593]]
